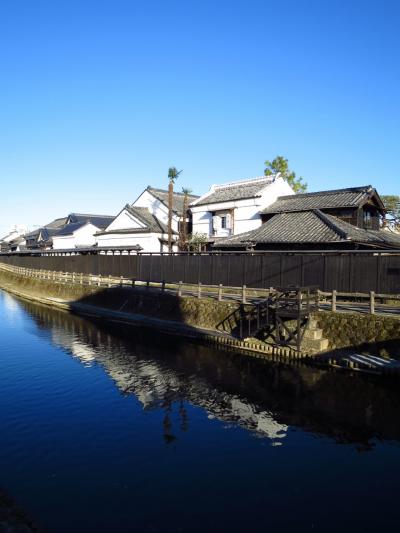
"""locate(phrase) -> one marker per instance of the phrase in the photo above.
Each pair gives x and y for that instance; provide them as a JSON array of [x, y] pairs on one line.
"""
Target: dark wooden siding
[[353, 272]]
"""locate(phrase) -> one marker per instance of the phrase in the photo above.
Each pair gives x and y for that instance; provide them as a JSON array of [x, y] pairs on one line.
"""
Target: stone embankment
[[327, 340], [179, 315]]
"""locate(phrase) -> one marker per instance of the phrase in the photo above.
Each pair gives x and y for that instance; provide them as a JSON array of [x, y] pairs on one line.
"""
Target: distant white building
[[144, 223], [14, 239], [234, 208], [73, 231], [75, 235]]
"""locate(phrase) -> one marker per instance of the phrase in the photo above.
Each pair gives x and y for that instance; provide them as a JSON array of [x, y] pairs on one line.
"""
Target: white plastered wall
[[84, 236]]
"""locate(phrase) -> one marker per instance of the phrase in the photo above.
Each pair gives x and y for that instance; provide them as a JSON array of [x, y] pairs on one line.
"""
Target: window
[[367, 219], [223, 222]]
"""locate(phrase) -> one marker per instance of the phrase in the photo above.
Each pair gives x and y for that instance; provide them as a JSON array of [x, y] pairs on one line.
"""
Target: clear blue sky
[[99, 97]]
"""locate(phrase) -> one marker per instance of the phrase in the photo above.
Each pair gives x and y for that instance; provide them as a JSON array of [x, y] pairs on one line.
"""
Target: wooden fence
[[370, 302], [341, 271]]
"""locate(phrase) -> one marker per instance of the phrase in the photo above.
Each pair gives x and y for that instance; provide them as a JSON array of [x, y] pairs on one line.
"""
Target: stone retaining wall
[[378, 334]]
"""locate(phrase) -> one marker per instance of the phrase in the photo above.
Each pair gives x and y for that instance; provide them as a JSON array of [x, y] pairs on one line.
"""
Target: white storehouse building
[[234, 208], [75, 235], [76, 230], [14, 240], [144, 222]]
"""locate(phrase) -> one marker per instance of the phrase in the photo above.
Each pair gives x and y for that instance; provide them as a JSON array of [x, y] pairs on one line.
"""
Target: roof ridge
[[245, 181], [150, 188], [142, 219], [364, 188], [328, 220], [86, 215]]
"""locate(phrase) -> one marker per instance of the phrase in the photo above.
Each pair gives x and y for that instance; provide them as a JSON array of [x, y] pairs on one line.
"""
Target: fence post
[[163, 285], [81, 280], [220, 292], [180, 289], [199, 290], [334, 293], [99, 280], [109, 280], [133, 282], [121, 281], [372, 302], [244, 294]]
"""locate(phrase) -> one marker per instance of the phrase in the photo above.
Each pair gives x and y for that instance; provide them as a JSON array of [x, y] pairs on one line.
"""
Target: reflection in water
[[263, 397]]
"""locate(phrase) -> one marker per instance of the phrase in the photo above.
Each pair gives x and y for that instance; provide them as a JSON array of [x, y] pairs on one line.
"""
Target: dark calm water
[[106, 428]]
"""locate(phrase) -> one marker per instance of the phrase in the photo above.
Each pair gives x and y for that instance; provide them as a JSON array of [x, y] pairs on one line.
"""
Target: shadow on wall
[[266, 398], [191, 311]]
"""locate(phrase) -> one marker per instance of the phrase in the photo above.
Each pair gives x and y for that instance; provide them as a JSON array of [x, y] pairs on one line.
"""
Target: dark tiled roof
[[47, 233], [69, 229], [239, 190], [101, 221], [177, 199], [339, 198], [151, 223], [57, 223], [309, 227]]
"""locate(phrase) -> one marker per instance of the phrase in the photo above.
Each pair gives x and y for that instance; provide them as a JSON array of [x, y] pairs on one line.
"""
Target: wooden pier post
[[220, 292], [334, 294], [372, 302]]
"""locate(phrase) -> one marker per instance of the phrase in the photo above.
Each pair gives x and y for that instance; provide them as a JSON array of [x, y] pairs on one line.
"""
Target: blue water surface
[[110, 428]]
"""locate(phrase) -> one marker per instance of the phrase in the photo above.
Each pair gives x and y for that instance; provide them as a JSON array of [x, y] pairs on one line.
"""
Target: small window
[[223, 222], [367, 219]]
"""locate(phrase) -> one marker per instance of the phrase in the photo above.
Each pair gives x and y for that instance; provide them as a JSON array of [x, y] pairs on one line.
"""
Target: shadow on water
[[261, 396]]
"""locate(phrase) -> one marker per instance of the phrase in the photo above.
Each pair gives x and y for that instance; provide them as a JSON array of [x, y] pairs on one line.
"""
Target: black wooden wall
[[343, 272]]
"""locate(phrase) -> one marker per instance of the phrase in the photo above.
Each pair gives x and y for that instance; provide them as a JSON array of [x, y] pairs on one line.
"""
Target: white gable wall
[[82, 237], [125, 221], [246, 213], [157, 208]]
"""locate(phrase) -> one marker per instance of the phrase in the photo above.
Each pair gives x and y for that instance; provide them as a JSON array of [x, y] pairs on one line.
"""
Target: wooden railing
[[219, 292], [334, 301]]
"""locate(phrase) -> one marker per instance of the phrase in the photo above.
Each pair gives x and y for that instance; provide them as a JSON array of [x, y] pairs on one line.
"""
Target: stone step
[[315, 345], [313, 334], [312, 323]]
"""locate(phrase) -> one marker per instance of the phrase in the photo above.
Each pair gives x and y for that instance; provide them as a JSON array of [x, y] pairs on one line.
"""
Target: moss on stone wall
[[378, 334], [203, 313]]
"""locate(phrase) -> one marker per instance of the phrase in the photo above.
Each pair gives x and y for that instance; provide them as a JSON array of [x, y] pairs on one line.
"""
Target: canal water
[[109, 428]]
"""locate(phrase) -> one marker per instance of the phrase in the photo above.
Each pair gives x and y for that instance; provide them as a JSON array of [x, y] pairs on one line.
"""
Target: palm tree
[[184, 227], [172, 176]]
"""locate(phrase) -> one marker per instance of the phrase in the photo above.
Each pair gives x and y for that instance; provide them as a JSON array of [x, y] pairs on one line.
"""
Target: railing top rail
[[96, 250]]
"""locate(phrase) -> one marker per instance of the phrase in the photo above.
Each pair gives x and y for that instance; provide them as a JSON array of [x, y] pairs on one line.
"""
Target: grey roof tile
[[177, 199], [101, 221], [338, 198], [151, 223], [69, 229], [309, 227], [236, 191]]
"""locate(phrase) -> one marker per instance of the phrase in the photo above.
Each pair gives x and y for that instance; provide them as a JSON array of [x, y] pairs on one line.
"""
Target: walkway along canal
[[109, 428]]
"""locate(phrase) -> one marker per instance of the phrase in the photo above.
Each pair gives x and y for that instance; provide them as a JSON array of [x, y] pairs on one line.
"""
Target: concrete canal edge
[[193, 318], [185, 316]]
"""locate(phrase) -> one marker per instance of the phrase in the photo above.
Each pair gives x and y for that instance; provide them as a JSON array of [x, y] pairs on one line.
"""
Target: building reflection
[[263, 397]]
